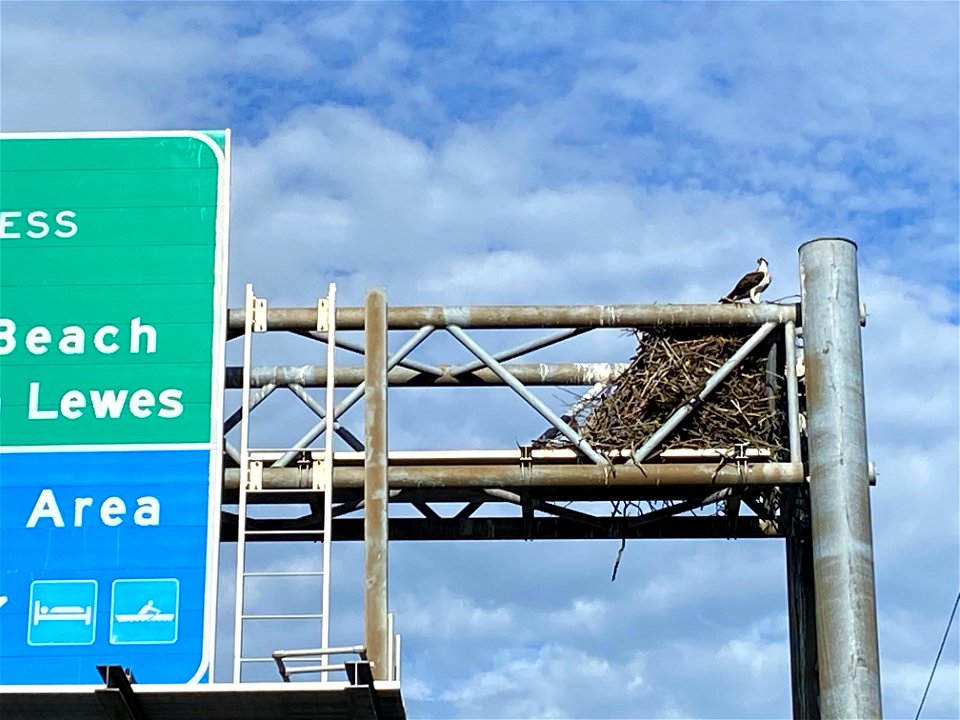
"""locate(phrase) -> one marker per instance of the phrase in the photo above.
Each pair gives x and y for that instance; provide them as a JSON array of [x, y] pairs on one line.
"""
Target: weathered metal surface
[[375, 484], [801, 606], [353, 375], [536, 316], [849, 665], [537, 528], [211, 701], [793, 401], [708, 475]]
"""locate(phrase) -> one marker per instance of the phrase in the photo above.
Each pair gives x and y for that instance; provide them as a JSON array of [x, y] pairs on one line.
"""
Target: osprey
[[552, 436], [750, 285]]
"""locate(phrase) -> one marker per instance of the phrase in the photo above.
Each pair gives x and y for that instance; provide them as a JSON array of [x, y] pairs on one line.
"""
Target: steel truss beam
[[537, 528], [709, 476], [450, 375], [534, 485], [643, 317]]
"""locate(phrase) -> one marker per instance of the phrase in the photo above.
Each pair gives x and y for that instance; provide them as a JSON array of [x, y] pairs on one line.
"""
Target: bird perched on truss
[[750, 285], [552, 435]]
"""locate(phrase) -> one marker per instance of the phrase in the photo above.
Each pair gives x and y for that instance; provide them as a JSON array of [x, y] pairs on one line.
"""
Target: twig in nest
[[667, 371], [616, 564]]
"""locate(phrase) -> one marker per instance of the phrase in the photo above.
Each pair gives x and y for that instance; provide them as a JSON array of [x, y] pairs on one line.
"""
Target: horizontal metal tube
[[317, 652], [309, 669], [479, 476], [352, 375], [535, 316]]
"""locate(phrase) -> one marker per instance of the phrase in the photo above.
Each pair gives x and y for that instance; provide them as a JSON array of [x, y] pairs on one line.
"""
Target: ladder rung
[[314, 669], [292, 573], [304, 616], [271, 491]]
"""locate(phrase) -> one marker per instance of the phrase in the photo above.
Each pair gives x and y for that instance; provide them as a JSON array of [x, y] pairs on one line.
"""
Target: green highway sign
[[112, 330], [108, 267]]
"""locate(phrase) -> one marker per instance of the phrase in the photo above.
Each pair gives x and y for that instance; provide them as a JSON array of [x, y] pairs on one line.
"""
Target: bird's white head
[[761, 263]]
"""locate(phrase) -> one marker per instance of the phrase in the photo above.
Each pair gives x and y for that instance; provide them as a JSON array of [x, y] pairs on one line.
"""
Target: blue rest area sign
[[112, 327]]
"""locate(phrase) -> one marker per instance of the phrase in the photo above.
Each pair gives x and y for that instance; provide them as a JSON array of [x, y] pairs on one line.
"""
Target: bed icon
[[62, 612], [42, 613]]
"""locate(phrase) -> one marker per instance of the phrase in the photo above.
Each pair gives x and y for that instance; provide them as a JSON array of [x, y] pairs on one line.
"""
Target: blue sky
[[578, 153]]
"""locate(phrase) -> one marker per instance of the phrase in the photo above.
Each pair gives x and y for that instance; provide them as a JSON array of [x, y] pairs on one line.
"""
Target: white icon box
[[62, 612], [144, 611]]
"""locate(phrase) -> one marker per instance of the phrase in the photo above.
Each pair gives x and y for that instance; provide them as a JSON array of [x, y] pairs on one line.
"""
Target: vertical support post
[[801, 612], [790, 376], [375, 485], [842, 539], [801, 605]]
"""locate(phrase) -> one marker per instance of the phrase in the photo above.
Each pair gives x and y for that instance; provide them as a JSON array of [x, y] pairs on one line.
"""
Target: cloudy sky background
[[576, 153]]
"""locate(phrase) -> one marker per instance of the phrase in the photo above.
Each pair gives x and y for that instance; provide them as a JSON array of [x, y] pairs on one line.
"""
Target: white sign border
[[215, 493]]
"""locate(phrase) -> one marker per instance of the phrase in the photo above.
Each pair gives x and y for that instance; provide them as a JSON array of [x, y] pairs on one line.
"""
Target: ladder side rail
[[331, 322], [249, 312]]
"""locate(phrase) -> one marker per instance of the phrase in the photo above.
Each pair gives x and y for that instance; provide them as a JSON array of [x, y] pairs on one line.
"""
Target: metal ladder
[[252, 463]]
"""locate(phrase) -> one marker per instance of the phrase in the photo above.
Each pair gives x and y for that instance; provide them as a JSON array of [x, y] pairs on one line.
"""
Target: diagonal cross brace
[[234, 420], [519, 350], [350, 400], [358, 349], [697, 400], [531, 399], [307, 399]]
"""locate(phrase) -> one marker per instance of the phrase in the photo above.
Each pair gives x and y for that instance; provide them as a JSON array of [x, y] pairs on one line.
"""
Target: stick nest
[[670, 368]]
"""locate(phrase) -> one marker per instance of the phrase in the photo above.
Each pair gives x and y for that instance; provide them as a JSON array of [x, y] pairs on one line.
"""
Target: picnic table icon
[[148, 613]]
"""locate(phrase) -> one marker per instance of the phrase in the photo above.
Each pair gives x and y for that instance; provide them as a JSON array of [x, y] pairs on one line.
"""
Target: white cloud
[[581, 615], [449, 616], [556, 681], [905, 683]]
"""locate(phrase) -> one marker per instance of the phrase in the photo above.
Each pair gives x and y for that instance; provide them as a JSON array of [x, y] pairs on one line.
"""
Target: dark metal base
[[536, 528], [250, 701]]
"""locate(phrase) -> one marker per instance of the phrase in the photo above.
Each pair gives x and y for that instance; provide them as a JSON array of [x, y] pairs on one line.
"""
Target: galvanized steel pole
[[845, 594], [375, 488]]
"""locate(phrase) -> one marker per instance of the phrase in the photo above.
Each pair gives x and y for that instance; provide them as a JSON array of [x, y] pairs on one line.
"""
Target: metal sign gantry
[[822, 510]]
